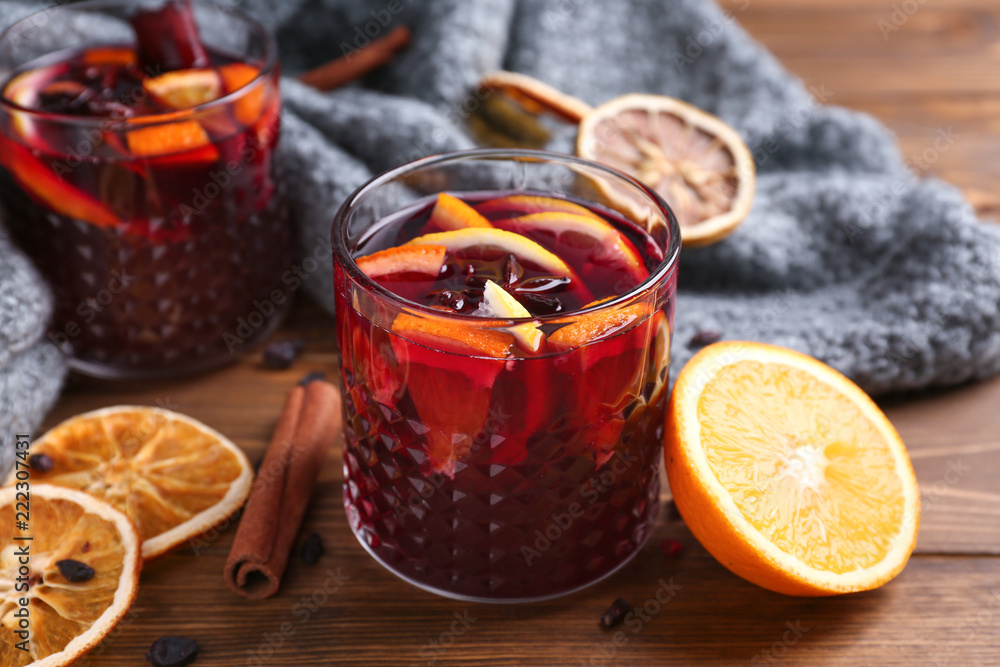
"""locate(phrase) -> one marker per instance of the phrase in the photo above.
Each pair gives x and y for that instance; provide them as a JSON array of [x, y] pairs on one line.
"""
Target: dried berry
[[703, 338], [312, 549], [281, 354], [512, 271], [40, 462], [671, 548], [615, 614], [172, 652], [75, 571], [670, 511], [315, 376]]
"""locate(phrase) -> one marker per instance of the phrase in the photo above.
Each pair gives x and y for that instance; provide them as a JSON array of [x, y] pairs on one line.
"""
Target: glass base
[[471, 598], [220, 358]]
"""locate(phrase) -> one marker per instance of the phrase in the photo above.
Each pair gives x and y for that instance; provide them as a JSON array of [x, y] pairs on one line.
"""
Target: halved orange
[[185, 88], [450, 213], [695, 161], [479, 240], [514, 205], [70, 610], [186, 139], [604, 244], [788, 473], [451, 369], [422, 260], [172, 475]]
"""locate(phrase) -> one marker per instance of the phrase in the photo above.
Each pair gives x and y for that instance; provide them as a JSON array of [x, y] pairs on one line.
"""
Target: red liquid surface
[[508, 476], [156, 233]]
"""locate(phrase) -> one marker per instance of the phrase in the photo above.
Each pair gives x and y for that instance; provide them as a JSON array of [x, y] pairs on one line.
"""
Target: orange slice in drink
[[39, 181], [602, 243], [250, 105], [515, 205], [788, 473], [173, 476], [82, 572], [185, 88], [499, 303], [450, 371], [478, 242], [422, 260], [110, 55], [184, 140], [695, 161], [606, 356], [450, 213]]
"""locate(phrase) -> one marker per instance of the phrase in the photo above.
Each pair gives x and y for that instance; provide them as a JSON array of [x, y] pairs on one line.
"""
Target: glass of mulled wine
[[136, 144], [504, 320]]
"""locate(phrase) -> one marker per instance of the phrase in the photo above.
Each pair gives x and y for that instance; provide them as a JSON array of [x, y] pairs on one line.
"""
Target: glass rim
[[267, 67], [344, 258]]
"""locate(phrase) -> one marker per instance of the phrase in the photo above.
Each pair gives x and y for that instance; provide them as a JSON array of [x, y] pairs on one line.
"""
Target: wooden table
[[940, 69]]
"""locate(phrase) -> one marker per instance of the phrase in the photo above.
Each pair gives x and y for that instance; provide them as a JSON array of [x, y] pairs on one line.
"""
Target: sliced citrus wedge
[[186, 88], [185, 140], [422, 260], [452, 392], [82, 573], [39, 181], [172, 475], [450, 213], [110, 55], [695, 161], [481, 241], [603, 243], [788, 473], [499, 303], [515, 205], [249, 107]]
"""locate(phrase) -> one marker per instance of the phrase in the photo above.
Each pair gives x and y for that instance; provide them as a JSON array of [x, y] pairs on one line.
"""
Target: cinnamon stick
[[356, 64], [280, 494]]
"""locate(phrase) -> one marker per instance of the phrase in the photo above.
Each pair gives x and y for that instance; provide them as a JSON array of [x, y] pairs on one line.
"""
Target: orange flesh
[[422, 259], [184, 89], [170, 138], [250, 105], [803, 464], [60, 610], [452, 213], [453, 337]]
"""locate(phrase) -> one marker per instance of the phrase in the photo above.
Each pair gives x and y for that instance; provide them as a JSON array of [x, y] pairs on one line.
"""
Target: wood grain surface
[[940, 69]]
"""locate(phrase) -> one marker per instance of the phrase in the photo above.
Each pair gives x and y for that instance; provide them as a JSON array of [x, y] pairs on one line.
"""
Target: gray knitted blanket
[[847, 255]]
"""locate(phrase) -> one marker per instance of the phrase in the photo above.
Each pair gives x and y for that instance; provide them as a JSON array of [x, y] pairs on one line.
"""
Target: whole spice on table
[[312, 549], [615, 614], [671, 548], [281, 354], [172, 652], [280, 494]]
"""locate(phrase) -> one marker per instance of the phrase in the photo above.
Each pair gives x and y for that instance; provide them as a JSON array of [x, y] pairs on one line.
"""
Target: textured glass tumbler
[[556, 484], [161, 234]]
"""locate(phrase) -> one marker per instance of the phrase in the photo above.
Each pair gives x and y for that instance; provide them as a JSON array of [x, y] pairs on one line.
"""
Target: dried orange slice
[[479, 240], [187, 139], [585, 232], [788, 473], [694, 160], [185, 88], [172, 475], [423, 260], [535, 96], [450, 213], [82, 574], [516, 110]]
